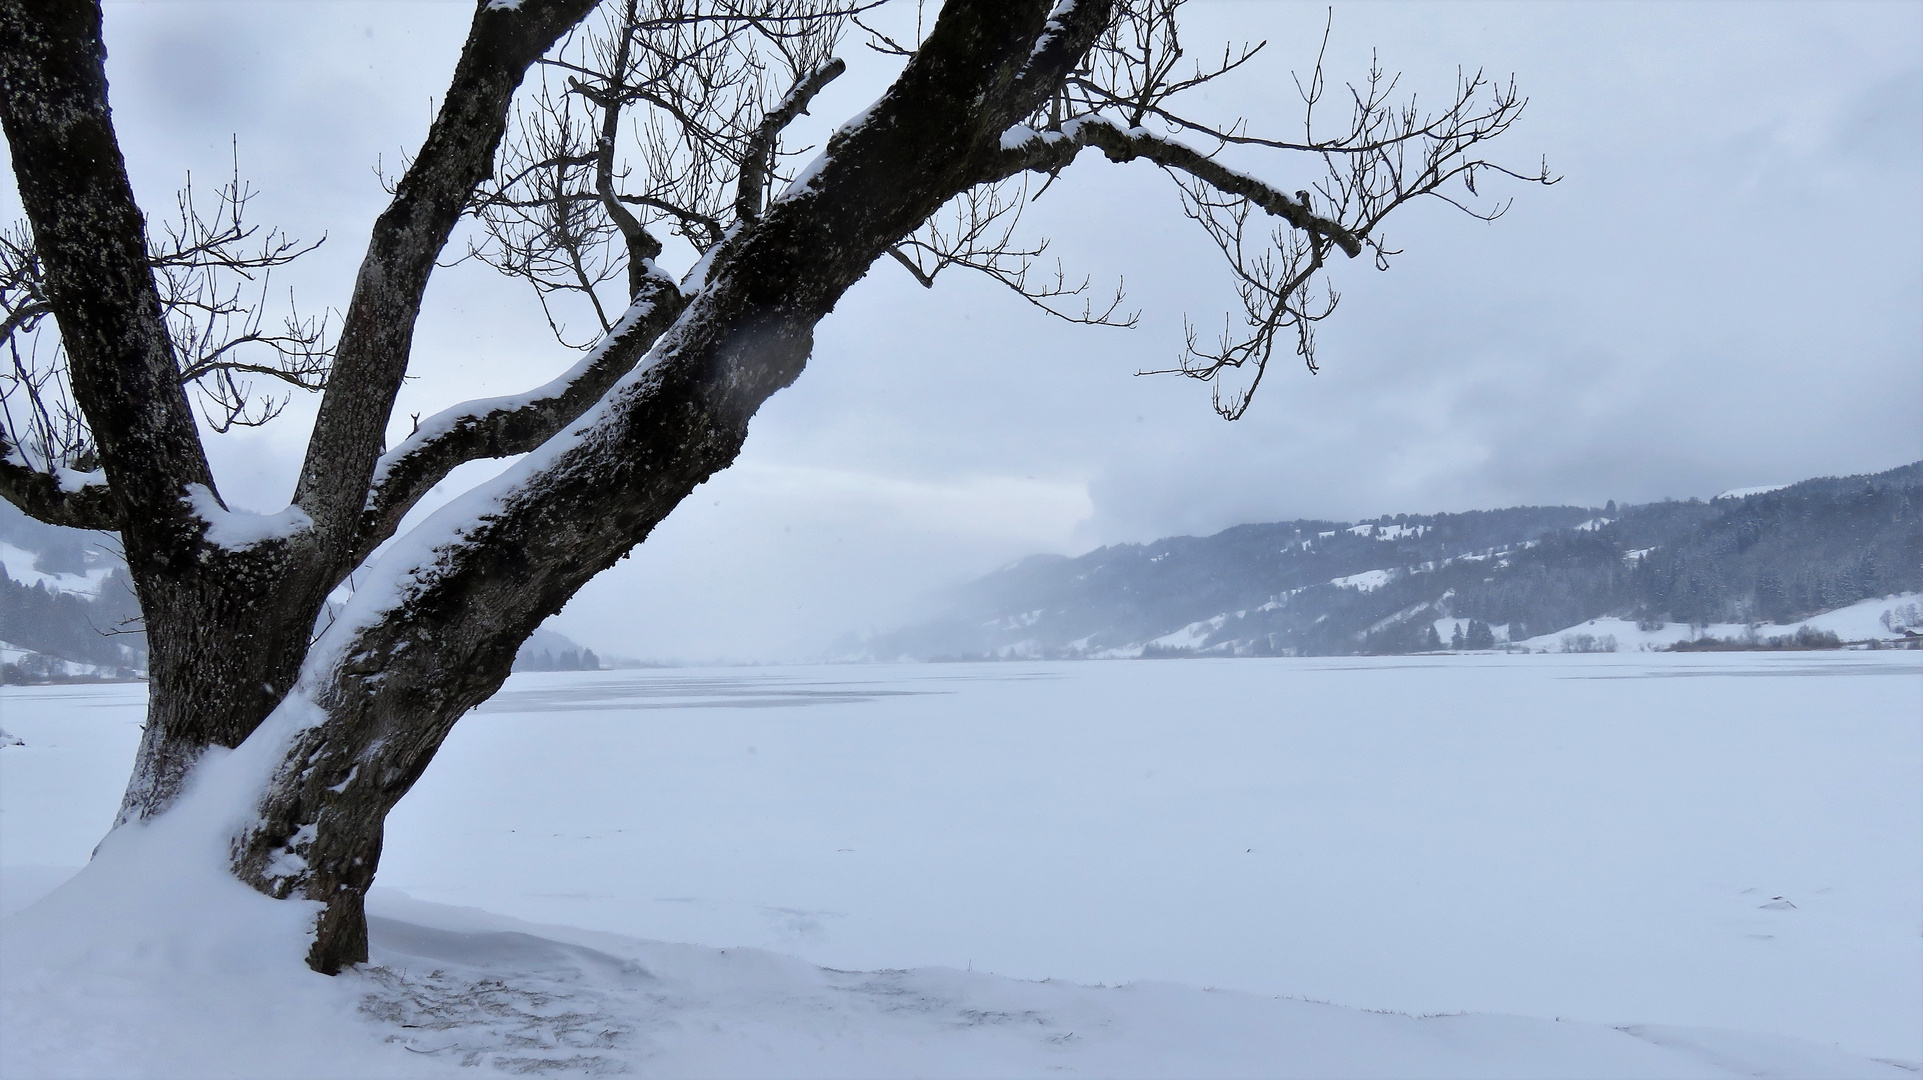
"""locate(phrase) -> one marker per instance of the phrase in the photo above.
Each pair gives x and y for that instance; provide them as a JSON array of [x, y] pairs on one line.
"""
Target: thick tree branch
[[1050, 151], [486, 571], [377, 331], [502, 427], [22, 317], [1061, 48], [642, 246]]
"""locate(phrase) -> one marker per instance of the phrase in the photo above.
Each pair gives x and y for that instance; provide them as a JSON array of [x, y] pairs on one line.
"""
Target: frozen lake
[[1728, 840]]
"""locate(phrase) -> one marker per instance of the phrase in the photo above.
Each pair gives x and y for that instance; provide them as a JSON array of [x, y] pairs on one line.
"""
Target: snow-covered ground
[[1677, 865], [1866, 620]]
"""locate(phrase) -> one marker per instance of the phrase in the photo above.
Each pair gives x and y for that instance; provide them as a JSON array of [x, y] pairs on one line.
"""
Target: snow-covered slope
[[1865, 620], [69, 669], [19, 565], [1746, 492]]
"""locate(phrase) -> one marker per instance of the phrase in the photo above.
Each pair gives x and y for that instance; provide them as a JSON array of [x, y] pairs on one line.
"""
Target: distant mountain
[[1382, 586]]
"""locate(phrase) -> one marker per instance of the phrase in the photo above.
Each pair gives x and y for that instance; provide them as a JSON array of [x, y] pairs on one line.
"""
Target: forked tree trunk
[[228, 616], [341, 729], [433, 631], [354, 719]]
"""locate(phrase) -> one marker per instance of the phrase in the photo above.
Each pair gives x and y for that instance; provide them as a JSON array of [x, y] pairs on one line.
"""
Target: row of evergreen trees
[[1789, 554], [1479, 635], [568, 660], [88, 631]]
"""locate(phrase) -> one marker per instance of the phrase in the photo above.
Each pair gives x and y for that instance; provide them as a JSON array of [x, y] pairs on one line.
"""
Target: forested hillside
[[1306, 587], [1327, 587], [66, 607]]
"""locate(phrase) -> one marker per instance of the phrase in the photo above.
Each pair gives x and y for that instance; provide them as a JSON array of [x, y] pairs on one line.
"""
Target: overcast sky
[[1725, 289]]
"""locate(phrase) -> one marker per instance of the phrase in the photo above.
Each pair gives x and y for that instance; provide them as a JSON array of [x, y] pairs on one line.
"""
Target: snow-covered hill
[[1770, 555], [1883, 618], [21, 565]]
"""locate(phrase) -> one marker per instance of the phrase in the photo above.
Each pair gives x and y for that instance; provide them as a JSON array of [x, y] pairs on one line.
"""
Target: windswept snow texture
[[1700, 865]]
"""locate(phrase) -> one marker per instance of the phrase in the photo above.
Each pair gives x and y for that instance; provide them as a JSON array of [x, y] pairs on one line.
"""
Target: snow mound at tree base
[[92, 987]]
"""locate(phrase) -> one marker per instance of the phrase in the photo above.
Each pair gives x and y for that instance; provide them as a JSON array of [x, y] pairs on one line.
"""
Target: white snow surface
[[1258, 851], [1189, 637], [73, 480], [244, 528], [1366, 581], [13, 654]]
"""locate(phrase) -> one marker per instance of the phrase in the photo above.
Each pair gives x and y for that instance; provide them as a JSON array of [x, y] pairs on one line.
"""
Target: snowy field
[[1676, 865]]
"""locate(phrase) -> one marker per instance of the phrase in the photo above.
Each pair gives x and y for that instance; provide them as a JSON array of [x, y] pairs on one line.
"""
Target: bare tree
[[651, 120], [213, 272]]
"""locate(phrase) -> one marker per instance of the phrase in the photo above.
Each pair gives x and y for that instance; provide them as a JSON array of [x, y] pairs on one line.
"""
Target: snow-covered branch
[[504, 426], [757, 160], [1123, 100], [64, 497], [377, 331]]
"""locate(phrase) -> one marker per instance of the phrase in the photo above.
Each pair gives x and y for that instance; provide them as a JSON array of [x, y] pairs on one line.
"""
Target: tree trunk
[[228, 618], [223, 652], [433, 630]]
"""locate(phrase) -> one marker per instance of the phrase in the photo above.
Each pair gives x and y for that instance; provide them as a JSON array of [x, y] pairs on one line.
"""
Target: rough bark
[[503, 428], [43, 497], [1051, 151]]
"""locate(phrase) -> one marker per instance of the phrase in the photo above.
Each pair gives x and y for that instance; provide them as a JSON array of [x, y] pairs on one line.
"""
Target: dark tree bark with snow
[[930, 177]]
